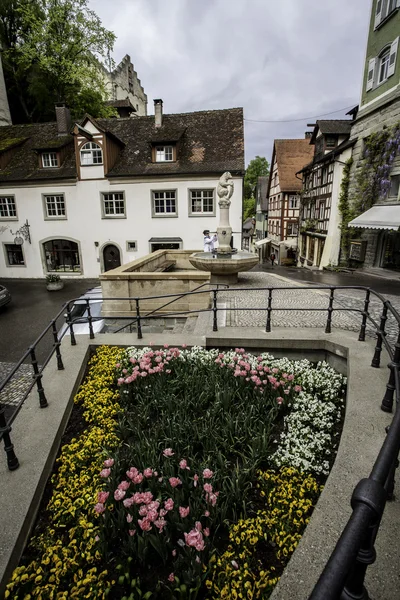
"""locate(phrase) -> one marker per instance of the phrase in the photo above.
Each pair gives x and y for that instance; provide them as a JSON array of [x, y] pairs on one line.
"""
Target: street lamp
[[22, 234]]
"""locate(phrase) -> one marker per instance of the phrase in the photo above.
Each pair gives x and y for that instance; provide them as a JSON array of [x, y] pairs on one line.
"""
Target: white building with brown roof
[[108, 191], [288, 157]]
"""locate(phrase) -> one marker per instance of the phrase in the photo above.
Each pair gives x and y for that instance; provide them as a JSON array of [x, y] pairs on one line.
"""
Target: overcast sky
[[279, 60]]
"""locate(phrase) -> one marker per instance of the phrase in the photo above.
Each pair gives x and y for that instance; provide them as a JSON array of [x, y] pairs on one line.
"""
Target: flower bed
[[194, 477]]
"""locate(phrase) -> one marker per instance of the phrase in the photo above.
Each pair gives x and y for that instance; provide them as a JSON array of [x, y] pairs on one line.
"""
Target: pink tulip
[[279, 400], [105, 473], [124, 485], [119, 494], [171, 577], [145, 524], [207, 474], [129, 518], [206, 531], [194, 539], [169, 504], [148, 473], [99, 508], [184, 511], [183, 464], [174, 481], [207, 487], [132, 532], [168, 452], [102, 497]]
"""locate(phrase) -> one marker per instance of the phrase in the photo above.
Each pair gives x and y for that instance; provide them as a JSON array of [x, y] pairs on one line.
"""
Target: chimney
[[308, 135], [63, 117], [158, 112]]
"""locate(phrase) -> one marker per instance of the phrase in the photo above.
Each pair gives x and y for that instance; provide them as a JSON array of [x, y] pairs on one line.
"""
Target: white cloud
[[279, 60]]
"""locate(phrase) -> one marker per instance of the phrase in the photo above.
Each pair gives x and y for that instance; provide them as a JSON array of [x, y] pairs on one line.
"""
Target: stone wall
[[368, 122]]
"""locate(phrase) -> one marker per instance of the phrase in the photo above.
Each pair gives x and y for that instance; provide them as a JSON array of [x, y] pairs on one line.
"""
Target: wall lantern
[[22, 234]]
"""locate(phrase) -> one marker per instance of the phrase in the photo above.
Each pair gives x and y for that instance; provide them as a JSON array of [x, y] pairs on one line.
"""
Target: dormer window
[[91, 154], [49, 160], [164, 153], [330, 141]]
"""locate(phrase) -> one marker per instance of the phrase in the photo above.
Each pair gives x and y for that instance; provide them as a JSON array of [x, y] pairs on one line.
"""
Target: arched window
[[91, 154], [62, 256], [383, 65]]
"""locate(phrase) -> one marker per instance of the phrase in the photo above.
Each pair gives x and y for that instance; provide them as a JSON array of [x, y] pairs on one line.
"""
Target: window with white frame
[[164, 203], [292, 228], [201, 202], [383, 9], [91, 154], [54, 206], [113, 205], [164, 153], [49, 159], [293, 201], [381, 67], [8, 208]]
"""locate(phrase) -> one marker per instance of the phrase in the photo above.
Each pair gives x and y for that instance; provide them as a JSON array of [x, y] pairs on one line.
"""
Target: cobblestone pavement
[[17, 386], [312, 300]]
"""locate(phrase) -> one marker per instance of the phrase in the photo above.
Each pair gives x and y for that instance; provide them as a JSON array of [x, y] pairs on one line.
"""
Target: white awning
[[380, 216], [262, 242]]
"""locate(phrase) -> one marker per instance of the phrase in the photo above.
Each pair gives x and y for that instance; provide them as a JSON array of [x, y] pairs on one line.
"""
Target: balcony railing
[[344, 574]]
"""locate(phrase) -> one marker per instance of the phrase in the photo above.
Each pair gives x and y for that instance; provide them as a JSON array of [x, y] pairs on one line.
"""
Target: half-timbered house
[[320, 217], [288, 157]]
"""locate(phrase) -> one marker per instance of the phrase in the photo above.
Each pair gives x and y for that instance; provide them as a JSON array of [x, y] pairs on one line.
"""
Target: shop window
[[62, 256]]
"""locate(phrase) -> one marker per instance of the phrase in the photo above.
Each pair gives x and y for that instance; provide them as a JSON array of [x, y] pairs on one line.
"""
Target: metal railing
[[344, 574]]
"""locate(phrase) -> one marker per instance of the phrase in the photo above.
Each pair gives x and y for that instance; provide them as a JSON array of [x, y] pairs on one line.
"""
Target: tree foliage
[[258, 167], [51, 53]]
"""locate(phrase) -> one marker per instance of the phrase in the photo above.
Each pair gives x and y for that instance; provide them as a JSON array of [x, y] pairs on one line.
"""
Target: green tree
[[51, 53], [258, 167]]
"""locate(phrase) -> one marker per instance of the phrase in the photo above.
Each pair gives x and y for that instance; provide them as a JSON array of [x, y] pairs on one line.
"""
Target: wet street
[[31, 309]]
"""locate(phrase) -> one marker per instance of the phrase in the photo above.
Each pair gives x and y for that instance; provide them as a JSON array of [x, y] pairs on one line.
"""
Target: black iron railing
[[344, 574]]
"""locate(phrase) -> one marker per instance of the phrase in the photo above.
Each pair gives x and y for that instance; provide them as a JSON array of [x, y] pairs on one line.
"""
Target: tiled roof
[[208, 142], [335, 126], [291, 156]]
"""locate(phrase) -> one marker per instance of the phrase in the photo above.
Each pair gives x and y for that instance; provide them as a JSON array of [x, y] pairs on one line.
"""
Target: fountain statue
[[225, 262]]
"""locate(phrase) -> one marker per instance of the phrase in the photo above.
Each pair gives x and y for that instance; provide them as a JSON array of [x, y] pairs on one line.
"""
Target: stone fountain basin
[[223, 267]]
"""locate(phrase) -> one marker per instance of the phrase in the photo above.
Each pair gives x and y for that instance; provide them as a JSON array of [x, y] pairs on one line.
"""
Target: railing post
[[38, 377], [12, 460], [361, 337], [376, 361], [330, 311], [71, 328], [90, 319], [387, 402], [139, 324], [269, 311], [372, 494], [57, 344], [215, 309], [390, 481]]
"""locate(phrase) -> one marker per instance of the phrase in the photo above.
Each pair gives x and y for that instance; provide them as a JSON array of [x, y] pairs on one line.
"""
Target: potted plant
[[53, 282]]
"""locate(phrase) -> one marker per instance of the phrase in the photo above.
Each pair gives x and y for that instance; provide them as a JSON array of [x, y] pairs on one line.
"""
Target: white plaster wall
[[85, 225], [331, 251]]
